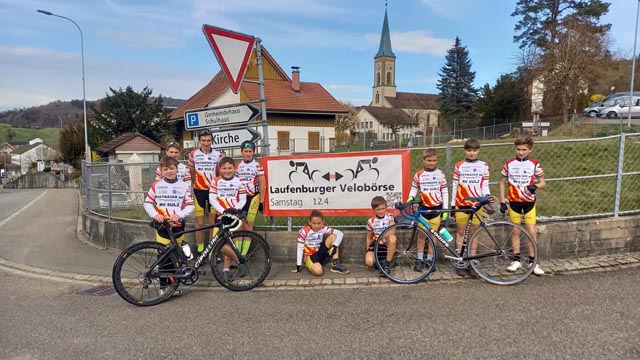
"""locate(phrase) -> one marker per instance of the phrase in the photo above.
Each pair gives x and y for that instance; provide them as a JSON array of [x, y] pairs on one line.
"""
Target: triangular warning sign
[[232, 50]]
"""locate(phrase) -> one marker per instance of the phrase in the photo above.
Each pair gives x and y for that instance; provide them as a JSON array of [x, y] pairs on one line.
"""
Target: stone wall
[[571, 239], [41, 180]]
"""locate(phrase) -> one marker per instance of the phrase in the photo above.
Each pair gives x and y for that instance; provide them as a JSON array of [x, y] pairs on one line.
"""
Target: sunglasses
[[248, 146]]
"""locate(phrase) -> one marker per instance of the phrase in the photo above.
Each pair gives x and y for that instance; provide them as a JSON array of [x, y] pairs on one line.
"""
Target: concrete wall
[[41, 180], [555, 240]]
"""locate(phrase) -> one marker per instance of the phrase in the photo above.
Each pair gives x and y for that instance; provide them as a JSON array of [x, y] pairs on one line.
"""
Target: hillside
[[46, 116], [49, 135]]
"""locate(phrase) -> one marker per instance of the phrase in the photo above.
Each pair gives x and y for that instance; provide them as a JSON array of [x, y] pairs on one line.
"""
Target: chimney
[[295, 78]]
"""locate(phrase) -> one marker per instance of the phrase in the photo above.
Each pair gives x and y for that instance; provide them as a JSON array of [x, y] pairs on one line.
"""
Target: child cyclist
[[375, 226], [430, 184], [521, 173], [227, 194], [316, 242], [470, 179], [173, 150], [252, 177], [169, 199]]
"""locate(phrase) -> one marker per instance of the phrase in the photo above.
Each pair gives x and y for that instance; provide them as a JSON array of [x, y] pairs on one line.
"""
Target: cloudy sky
[[160, 43]]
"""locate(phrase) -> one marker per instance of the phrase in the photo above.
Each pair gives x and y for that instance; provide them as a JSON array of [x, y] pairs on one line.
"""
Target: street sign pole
[[263, 105]]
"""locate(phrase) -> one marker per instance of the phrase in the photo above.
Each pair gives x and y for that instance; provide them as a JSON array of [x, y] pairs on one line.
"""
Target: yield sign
[[232, 50]]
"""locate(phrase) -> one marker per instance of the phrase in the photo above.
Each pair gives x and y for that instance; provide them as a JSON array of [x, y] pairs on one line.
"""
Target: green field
[[49, 135]]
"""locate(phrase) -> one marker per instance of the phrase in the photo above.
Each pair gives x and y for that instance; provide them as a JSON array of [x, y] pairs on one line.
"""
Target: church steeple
[[385, 38], [384, 68]]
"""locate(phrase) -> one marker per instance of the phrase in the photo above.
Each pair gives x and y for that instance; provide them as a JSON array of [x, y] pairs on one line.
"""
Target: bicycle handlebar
[[406, 209]]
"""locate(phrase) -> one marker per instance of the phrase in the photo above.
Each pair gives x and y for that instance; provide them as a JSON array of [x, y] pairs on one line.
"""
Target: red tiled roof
[[404, 100], [203, 97], [312, 97], [119, 140]]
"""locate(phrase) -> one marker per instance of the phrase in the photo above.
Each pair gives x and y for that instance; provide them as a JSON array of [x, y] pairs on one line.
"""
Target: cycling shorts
[[162, 236], [251, 207], [319, 256], [518, 210], [202, 202], [432, 218], [463, 218]]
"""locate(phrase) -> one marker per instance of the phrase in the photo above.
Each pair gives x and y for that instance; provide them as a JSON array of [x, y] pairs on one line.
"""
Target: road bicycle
[[489, 250], [148, 273]]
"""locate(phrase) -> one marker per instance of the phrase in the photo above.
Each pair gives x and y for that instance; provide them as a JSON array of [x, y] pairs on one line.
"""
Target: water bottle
[[446, 234], [187, 251]]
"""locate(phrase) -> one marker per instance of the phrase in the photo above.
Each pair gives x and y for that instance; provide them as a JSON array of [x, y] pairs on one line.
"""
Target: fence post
[[109, 188], [449, 173], [616, 199]]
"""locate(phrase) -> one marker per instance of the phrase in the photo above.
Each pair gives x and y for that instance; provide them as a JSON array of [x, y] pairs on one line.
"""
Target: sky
[[160, 44]]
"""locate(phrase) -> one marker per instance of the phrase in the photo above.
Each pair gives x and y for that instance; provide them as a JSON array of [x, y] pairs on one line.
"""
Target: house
[[126, 145], [36, 152], [301, 115], [391, 114]]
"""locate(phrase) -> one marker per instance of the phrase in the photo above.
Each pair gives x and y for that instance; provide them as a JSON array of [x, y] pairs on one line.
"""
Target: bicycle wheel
[[135, 281], [403, 262], [257, 255], [498, 243]]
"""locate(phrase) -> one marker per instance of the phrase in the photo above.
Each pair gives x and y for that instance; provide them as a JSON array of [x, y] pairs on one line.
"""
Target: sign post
[[220, 116]]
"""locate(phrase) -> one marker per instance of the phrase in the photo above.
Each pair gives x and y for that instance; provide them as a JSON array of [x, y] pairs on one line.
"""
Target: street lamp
[[87, 149], [56, 115], [633, 64]]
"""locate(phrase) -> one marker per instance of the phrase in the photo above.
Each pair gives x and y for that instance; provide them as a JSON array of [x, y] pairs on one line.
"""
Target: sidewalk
[[44, 241]]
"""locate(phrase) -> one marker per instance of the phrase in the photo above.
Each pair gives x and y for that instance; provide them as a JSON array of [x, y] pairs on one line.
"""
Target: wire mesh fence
[[595, 177]]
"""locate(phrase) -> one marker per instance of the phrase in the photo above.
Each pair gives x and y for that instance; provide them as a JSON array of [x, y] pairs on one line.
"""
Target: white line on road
[[3, 222]]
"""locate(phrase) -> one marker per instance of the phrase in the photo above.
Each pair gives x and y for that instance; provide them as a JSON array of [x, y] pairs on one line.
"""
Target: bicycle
[[148, 273], [489, 250]]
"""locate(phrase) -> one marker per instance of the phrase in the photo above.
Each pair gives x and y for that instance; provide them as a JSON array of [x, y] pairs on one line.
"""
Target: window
[[314, 141], [388, 78], [283, 140], [378, 79], [377, 98]]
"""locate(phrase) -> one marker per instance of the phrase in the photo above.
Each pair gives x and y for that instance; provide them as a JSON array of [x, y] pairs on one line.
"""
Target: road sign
[[232, 50], [219, 116], [232, 138]]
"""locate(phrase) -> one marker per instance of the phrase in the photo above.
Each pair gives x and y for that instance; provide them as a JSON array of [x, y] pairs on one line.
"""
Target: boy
[[252, 177], [315, 243], [521, 173], [431, 184], [227, 192], [203, 166], [470, 179], [375, 226], [173, 150], [169, 198]]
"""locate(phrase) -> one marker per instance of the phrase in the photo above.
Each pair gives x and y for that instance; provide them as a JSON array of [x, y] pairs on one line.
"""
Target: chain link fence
[[586, 178]]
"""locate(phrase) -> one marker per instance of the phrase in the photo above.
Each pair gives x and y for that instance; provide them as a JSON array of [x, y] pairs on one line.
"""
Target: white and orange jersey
[[377, 225], [206, 167], [470, 179], [168, 197], [520, 173], [227, 194], [312, 239], [183, 173], [431, 184], [249, 172]]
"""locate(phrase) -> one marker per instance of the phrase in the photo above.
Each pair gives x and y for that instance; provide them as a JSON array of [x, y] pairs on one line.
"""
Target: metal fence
[[594, 177]]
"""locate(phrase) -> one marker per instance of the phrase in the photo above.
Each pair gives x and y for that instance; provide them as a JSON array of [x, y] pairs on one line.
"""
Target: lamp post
[[87, 149], [56, 115], [633, 64]]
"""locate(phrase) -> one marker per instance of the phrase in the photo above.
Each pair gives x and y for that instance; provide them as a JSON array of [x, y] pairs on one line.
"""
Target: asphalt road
[[590, 316]]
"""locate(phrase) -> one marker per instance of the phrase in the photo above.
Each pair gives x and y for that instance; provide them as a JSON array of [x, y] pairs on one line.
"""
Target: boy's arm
[[369, 239], [242, 198], [158, 173], [262, 185], [501, 186], [414, 187], [188, 202], [299, 252]]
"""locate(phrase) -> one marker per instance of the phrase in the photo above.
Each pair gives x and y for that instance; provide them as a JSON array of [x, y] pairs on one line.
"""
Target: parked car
[[593, 109], [610, 103], [622, 109]]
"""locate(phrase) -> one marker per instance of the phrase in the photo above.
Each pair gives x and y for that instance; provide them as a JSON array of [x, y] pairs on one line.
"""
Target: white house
[[36, 151]]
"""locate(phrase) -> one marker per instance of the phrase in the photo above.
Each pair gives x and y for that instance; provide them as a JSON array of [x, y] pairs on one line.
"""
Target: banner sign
[[336, 184]]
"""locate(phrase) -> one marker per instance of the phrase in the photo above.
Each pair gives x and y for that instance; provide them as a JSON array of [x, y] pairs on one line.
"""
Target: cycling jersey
[[183, 172], [377, 225], [432, 186], [520, 173], [206, 167], [470, 179], [168, 197], [227, 194], [249, 174], [309, 241]]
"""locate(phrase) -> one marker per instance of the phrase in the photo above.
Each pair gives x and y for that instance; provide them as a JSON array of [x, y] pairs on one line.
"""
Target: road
[[591, 315]]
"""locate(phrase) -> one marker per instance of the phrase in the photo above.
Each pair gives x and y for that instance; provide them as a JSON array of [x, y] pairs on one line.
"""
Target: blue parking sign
[[192, 119]]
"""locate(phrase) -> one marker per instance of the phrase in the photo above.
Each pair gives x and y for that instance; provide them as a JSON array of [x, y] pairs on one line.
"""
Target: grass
[[48, 135]]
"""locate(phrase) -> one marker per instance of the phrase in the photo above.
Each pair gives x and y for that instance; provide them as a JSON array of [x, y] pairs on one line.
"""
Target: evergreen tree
[[72, 144], [506, 101], [457, 94], [128, 111]]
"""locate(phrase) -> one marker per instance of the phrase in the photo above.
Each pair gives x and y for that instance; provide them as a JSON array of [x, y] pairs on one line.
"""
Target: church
[[402, 118]]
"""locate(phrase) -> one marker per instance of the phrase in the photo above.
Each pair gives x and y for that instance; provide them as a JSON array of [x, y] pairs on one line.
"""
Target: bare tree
[[346, 123]]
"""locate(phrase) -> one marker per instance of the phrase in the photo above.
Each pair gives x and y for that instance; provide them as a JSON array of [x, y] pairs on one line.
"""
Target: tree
[[10, 134], [346, 123], [506, 100], [571, 45], [128, 111], [457, 94], [72, 144]]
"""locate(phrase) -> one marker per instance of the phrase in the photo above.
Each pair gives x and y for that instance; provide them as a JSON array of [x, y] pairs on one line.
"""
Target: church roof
[[389, 115], [406, 100], [385, 39]]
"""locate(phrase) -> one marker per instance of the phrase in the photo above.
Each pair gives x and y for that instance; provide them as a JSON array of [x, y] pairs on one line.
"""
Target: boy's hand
[[332, 250], [503, 207], [445, 216], [175, 218], [159, 218], [231, 211], [261, 207], [532, 188], [297, 269]]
